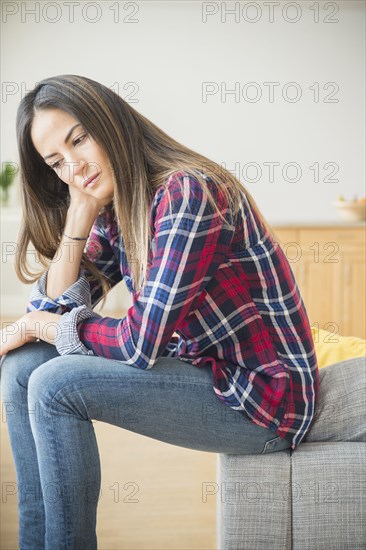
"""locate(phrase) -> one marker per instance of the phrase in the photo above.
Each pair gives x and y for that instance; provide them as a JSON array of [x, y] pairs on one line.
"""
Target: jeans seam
[[268, 442], [93, 380], [58, 454], [50, 428]]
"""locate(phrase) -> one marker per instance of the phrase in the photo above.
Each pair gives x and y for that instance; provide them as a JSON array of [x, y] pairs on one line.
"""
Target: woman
[[217, 323]]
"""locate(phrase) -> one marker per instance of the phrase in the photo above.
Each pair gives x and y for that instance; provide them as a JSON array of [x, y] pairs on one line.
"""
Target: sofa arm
[[254, 501], [329, 496], [313, 498]]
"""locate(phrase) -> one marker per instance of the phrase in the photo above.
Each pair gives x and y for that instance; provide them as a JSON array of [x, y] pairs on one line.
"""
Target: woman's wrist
[[78, 226], [79, 219], [42, 325], [84, 213]]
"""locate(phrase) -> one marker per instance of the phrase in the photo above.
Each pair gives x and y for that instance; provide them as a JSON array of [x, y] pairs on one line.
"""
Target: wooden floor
[[166, 480]]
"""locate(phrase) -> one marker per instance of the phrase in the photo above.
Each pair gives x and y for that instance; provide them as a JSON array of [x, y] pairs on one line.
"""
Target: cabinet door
[[288, 239], [353, 280], [332, 276], [315, 261], [354, 295], [319, 284]]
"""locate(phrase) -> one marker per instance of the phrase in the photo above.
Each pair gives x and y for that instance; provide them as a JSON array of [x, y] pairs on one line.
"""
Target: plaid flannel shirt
[[217, 292]]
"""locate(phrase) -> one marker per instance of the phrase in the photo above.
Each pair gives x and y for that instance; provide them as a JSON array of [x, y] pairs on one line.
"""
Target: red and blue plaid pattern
[[217, 292]]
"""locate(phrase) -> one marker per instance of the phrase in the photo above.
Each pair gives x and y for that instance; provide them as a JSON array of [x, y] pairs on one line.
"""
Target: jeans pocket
[[275, 444]]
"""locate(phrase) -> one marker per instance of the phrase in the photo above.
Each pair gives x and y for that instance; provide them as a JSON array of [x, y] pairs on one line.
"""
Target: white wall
[[160, 56]]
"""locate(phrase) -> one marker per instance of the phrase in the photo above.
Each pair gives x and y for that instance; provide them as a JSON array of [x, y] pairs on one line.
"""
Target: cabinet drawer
[[351, 237], [285, 236]]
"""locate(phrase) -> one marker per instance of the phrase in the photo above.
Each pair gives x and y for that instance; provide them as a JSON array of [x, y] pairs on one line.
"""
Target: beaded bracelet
[[77, 238]]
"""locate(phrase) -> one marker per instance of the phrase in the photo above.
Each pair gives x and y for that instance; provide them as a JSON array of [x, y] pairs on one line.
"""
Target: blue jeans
[[49, 402]]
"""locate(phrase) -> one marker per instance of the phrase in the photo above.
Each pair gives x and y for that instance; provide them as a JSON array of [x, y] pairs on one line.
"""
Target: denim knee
[[12, 373], [50, 389], [18, 364]]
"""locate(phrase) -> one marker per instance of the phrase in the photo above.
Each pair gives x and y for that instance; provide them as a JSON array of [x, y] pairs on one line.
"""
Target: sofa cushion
[[340, 413], [329, 496], [332, 348]]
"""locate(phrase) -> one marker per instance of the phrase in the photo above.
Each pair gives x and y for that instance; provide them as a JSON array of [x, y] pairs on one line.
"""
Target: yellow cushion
[[331, 348]]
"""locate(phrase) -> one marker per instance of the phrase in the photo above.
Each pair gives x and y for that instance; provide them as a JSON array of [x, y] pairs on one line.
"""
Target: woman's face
[[67, 148]]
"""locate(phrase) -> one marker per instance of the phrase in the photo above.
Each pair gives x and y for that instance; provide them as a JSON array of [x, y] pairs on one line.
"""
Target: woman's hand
[[16, 335], [80, 199], [30, 327]]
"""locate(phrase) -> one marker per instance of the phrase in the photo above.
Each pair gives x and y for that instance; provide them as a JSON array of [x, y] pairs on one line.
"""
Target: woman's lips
[[91, 181]]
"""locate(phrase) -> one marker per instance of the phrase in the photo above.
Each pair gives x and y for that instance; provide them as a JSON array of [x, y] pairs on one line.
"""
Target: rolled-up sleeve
[[77, 302], [76, 295], [67, 340]]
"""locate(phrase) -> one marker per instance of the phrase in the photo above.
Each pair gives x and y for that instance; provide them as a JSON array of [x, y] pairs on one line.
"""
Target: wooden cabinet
[[329, 266]]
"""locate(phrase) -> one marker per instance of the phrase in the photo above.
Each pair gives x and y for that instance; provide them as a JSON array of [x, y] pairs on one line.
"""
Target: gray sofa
[[313, 498]]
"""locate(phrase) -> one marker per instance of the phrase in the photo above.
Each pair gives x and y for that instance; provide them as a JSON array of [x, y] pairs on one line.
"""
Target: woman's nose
[[79, 168]]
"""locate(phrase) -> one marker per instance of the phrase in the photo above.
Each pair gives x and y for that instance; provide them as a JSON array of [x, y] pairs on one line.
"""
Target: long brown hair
[[142, 158]]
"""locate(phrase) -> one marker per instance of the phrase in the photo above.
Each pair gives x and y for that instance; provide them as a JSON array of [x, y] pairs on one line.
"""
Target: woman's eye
[[56, 165], [76, 141], [79, 139]]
